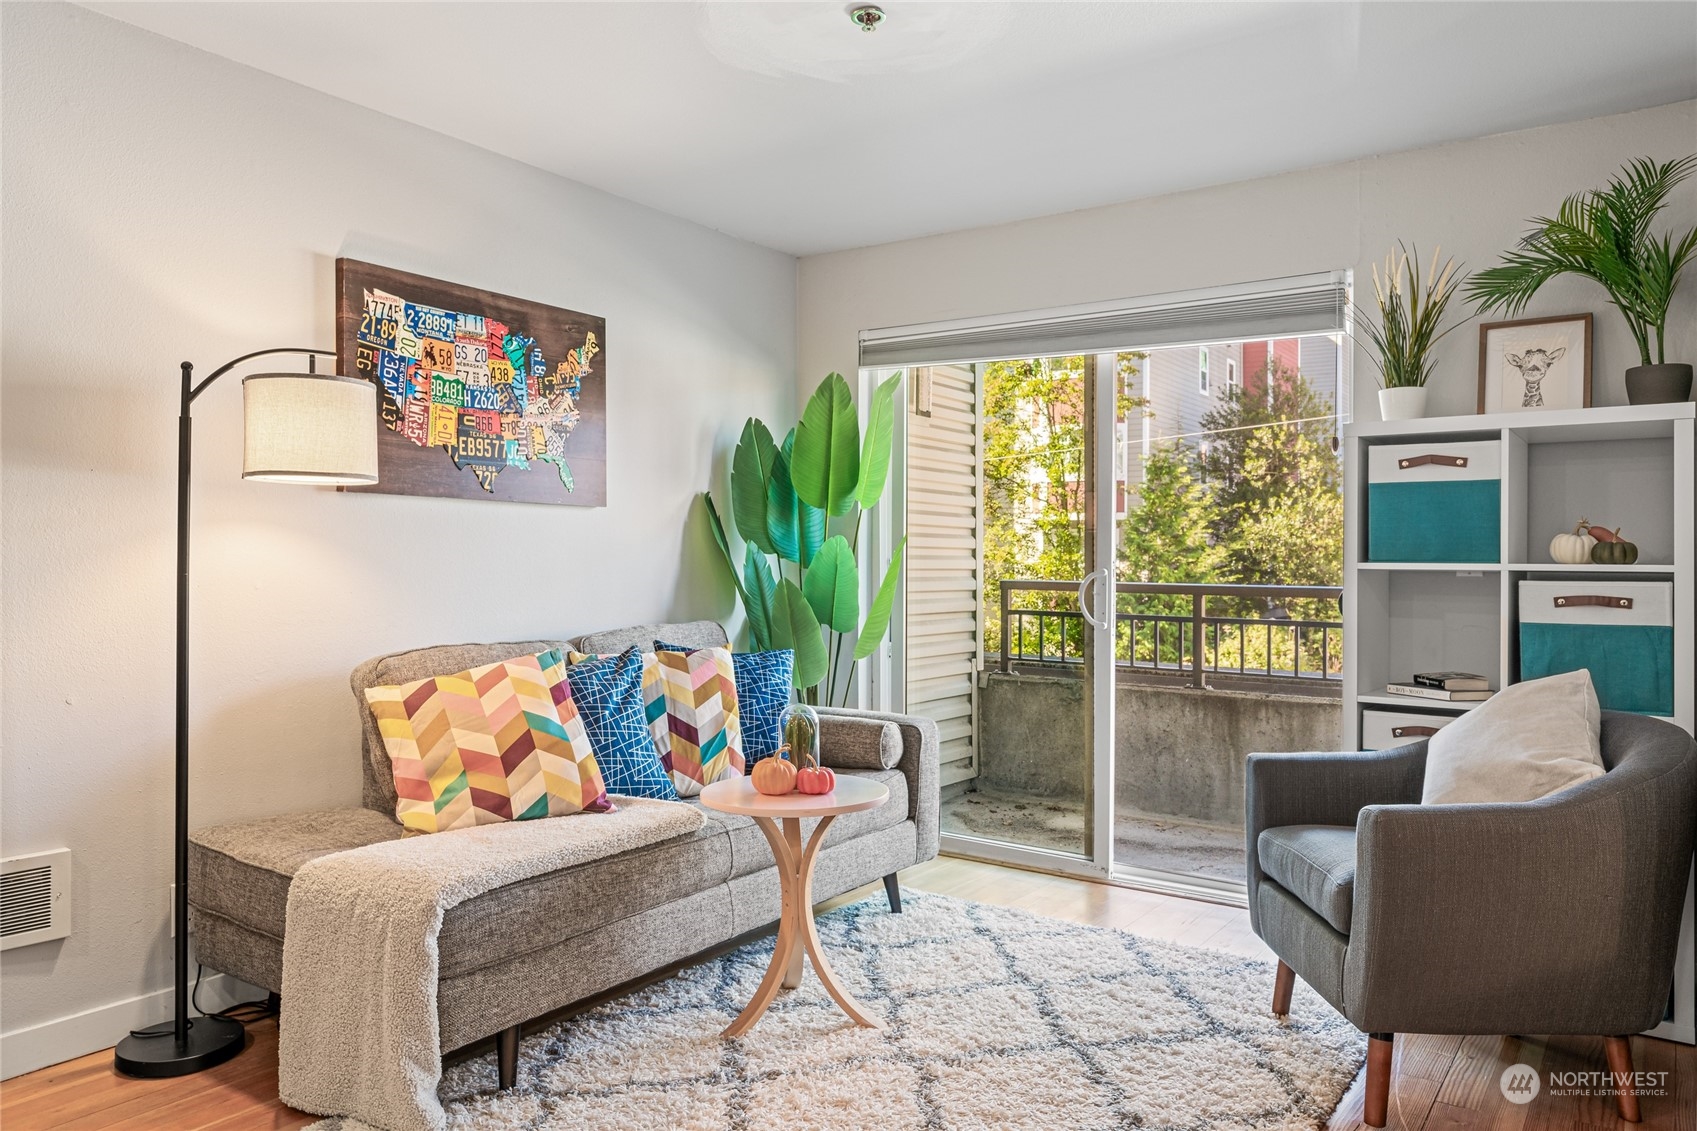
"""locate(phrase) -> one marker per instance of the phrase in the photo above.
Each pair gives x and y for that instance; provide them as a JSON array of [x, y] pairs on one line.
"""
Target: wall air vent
[[35, 898]]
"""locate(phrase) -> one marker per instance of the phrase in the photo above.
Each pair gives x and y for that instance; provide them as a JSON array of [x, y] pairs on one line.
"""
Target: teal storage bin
[[1434, 502], [1621, 632]]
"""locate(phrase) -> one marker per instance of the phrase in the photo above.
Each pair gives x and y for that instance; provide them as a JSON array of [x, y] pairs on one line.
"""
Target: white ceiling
[[783, 124]]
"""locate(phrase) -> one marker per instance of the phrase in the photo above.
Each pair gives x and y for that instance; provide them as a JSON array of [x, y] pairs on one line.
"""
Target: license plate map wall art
[[481, 395]]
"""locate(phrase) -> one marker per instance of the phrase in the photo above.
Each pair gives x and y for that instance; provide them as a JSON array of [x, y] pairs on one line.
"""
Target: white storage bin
[[1381, 730], [1435, 502], [1619, 631]]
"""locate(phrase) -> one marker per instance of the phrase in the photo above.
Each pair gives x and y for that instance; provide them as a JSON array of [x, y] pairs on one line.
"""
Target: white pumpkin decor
[[1574, 548]]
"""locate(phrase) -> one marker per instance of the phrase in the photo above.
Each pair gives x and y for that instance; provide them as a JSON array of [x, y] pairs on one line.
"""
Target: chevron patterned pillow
[[763, 691], [501, 742], [704, 742]]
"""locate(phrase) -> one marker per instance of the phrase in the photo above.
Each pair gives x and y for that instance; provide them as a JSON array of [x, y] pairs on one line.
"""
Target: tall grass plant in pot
[[1604, 235], [1411, 308]]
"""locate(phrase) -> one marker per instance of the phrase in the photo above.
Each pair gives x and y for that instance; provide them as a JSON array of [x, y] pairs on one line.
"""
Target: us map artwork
[[480, 395], [479, 389]]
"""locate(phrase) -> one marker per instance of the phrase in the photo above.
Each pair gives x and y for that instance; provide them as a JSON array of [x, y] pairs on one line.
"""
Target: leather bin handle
[[1593, 599], [1413, 732], [1407, 462]]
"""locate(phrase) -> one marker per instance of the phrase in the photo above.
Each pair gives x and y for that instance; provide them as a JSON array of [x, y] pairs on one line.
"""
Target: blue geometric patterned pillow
[[608, 693], [763, 691]]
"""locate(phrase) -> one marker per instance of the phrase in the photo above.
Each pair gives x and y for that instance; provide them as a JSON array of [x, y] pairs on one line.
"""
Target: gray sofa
[[531, 948], [1559, 915]]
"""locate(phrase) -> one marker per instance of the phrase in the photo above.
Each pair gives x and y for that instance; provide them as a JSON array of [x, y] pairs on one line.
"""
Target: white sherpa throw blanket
[[358, 1034]]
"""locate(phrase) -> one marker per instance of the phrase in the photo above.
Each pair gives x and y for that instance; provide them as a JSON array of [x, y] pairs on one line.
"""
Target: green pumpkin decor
[[1611, 548]]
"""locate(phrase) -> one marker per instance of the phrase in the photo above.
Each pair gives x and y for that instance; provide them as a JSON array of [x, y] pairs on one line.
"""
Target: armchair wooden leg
[[1377, 1101], [1283, 983], [894, 892], [507, 1056], [1619, 1053]]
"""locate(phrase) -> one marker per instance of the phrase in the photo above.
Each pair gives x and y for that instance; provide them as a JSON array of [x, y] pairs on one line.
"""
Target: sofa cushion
[[849, 743], [691, 634], [609, 694], [242, 873], [764, 684], [404, 667], [1316, 864], [703, 732], [499, 742], [1527, 741], [653, 695]]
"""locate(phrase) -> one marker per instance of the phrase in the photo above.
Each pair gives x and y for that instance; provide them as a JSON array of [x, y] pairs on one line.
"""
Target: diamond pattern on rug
[[1114, 1032]]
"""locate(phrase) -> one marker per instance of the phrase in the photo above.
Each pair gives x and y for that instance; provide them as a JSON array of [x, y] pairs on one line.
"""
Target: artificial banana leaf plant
[[798, 582]]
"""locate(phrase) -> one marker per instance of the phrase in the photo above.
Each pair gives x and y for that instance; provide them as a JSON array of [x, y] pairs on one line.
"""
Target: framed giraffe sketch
[[1531, 364], [480, 395]]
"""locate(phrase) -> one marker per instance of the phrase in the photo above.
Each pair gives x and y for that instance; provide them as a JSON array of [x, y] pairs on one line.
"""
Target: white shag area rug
[[997, 1019]]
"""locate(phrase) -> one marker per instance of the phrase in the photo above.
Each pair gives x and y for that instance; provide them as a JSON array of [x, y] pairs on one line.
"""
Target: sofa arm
[[918, 763], [1322, 789]]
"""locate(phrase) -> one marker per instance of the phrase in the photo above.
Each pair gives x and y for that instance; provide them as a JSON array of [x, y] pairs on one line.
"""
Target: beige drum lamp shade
[[313, 428]]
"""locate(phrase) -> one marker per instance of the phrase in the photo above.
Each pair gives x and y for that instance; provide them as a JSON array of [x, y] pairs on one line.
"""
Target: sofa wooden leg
[[507, 1056], [1377, 1101], [1619, 1053], [894, 892], [1283, 983]]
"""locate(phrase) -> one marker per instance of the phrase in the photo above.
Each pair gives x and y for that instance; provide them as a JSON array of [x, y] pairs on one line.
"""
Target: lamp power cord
[[244, 1013]]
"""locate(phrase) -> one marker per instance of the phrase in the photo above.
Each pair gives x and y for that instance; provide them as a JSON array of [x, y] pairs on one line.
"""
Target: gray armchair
[[1559, 915]]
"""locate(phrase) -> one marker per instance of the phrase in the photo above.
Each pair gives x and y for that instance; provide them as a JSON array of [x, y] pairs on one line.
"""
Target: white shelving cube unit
[[1630, 467]]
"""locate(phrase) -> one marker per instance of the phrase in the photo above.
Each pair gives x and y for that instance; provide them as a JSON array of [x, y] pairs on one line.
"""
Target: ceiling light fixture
[[867, 16], [808, 41]]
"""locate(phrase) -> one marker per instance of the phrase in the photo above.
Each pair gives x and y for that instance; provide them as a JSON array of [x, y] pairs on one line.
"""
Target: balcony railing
[[1194, 642]]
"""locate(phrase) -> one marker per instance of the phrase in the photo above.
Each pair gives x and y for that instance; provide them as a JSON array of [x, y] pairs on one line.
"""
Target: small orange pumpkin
[[774, 776], [815, 779]]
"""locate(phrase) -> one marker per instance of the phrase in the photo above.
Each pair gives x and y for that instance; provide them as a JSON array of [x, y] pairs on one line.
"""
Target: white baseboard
[[53, 1042]]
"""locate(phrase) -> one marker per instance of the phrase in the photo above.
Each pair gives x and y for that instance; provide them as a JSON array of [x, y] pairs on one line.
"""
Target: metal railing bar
[[1196, 649]]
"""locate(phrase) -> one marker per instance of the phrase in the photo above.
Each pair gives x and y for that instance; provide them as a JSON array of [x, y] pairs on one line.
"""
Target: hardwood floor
[[1439, 1083]]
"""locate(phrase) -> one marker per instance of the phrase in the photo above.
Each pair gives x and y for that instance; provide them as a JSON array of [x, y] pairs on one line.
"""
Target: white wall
[[1471, 197], [161, 204]]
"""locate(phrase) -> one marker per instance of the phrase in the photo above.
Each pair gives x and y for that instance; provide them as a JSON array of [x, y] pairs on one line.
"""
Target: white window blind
[[1273, 308]]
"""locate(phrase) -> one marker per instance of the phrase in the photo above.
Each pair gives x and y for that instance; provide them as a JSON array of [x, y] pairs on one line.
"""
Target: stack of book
[[1452, 687]]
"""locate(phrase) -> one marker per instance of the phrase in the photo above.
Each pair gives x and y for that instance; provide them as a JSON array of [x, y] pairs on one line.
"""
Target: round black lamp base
[[211, 1040]]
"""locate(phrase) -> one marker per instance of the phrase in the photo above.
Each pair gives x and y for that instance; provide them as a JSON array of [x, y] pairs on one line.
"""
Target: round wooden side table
[[795, 875]]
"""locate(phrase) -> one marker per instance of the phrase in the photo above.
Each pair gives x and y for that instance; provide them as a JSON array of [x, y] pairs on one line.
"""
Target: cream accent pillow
[[1527, 741]]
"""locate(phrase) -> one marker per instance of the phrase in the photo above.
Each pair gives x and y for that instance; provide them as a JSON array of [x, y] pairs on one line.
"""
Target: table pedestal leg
[[796, 931], [792, 841]]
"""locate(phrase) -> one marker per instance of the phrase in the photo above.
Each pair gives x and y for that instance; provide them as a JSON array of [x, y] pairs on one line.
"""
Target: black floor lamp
[[313, 428]]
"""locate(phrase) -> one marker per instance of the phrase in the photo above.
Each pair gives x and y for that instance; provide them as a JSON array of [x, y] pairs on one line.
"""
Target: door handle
[[1084, 606]]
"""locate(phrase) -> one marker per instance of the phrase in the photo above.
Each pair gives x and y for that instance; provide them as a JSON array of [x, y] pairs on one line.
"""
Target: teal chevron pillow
[[763, 691]]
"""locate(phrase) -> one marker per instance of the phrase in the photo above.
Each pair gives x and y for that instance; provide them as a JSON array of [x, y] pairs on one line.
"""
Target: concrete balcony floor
[[1145, 840]]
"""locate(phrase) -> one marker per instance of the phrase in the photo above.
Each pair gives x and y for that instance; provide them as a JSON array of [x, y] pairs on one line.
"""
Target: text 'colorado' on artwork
[[481, 395]]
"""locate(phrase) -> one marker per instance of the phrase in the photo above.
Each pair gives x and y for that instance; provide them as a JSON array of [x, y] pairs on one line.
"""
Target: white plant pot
[[1408, 403]]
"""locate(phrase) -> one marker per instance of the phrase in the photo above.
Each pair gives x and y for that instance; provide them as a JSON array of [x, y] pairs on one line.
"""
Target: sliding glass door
[[1024, 778], [1227, 557], [1123, 576]]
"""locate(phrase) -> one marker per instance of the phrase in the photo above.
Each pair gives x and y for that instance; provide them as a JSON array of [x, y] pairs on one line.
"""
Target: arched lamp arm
[[191, 392]]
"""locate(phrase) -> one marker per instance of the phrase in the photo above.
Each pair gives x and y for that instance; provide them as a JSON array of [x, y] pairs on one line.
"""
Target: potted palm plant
[[1410, 325], [1604, 235]]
